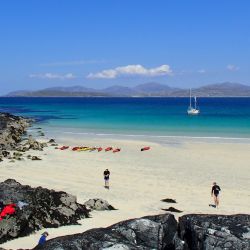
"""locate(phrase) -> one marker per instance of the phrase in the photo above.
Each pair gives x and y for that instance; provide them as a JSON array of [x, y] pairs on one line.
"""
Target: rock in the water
[[98, 204], [205, 232], [44, 208], [147, 233], [172, 209], [168, 200]]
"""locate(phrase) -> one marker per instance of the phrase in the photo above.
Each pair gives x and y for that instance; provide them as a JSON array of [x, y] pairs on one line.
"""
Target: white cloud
[[232, 67], [132, 70], [53, 76]]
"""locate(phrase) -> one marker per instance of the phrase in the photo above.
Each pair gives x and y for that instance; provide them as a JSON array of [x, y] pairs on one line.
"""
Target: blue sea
[[220, 117]]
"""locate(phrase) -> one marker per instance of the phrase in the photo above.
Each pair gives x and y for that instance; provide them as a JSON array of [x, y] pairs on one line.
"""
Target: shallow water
[[157, 117]]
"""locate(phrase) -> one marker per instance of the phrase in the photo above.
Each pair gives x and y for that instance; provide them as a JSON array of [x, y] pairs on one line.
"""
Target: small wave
[[159, 136]]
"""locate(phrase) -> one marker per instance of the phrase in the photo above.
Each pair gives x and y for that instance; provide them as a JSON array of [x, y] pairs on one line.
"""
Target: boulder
[[146, 233], [205, 232], [37, 208], [98, 204]]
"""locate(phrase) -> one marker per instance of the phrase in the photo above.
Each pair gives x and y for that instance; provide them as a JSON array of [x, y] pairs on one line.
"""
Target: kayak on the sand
[[116, 150], [83, 149], [145, 148], [108, 149]]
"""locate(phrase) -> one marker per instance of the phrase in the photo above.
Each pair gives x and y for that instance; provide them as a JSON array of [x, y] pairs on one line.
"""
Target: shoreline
[[63, 135]]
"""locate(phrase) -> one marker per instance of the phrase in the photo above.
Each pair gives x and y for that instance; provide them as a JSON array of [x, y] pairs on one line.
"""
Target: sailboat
[[192, 110]]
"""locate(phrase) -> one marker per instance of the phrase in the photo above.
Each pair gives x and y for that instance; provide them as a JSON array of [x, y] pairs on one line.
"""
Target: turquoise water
[[220, 117]]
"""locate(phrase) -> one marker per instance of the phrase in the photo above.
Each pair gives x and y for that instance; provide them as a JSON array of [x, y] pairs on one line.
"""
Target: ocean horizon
[[159, 117]]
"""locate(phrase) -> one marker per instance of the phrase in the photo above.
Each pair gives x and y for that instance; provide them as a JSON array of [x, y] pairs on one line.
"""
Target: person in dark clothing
[[42, 239], [215, 193], [106, 175]]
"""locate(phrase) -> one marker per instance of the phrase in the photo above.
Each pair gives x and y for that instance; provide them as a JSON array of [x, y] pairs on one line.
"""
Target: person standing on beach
[[215, 193], [106, 175]]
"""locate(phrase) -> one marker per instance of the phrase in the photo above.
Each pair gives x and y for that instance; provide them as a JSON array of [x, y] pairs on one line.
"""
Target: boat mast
[[195, 102], [190, 104]]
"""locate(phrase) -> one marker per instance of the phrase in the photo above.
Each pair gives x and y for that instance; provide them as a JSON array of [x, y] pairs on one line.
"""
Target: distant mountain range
[[151, 89]]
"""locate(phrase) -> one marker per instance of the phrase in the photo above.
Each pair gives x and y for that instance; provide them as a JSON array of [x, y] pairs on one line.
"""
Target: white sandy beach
[[139, 180]]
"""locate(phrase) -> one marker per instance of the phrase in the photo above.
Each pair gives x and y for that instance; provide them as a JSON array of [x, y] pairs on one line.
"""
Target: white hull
[[193, 111]]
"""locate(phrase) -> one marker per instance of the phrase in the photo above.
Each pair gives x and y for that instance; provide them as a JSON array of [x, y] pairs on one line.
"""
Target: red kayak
[[99, 149], [64, 147], [75, 148], [116, 150], [108, 149], [145, 148]]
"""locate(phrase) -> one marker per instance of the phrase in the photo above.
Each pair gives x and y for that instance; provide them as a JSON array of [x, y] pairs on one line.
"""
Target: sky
[[99, 43]]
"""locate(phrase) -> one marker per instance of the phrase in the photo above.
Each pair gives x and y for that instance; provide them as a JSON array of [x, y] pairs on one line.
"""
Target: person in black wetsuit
[[106, 175], [215, 193]]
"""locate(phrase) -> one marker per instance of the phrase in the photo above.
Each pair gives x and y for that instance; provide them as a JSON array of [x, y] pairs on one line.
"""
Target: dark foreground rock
[[147, 233], [215, 231], [36, 208], [194, 232]]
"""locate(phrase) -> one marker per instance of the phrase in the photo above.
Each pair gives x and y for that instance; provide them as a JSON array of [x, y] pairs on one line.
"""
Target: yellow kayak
[[84, 149]]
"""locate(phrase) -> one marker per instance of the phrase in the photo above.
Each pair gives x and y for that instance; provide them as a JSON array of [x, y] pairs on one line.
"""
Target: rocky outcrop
[[162, 232], [98, 204], [12, 143], [31, 143], [147, 233], [215, 231], [36, 208], [12, 129]]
